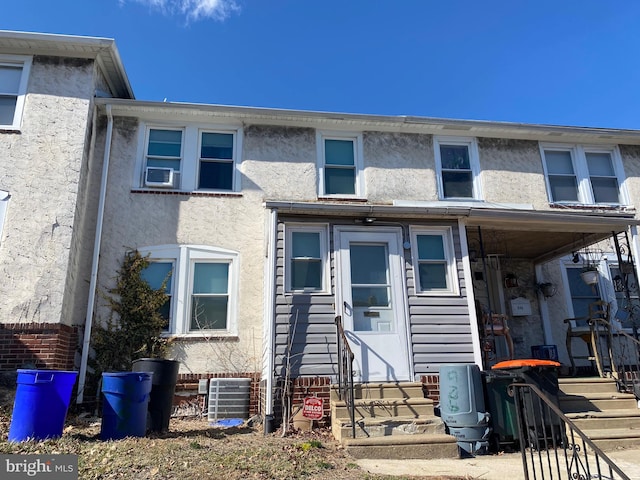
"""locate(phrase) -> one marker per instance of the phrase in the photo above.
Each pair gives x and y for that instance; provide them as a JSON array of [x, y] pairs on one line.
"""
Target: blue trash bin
[[124, 407], [41, 404]]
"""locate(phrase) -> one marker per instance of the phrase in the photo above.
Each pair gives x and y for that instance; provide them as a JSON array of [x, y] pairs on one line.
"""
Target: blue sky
[[563, 62]]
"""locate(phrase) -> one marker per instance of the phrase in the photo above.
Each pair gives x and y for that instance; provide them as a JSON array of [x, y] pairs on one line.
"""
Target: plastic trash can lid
[[525, 362]]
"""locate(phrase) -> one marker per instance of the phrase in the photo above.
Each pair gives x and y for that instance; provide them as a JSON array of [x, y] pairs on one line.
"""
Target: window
[[190, 158], [155, 275], [458, 167], [434, 261], [581, 293], [14, 73], [307, 253], [340, 165], [625, 279], [216, 161], [163, 158], [203, 288], [583, 175], [209, 296]]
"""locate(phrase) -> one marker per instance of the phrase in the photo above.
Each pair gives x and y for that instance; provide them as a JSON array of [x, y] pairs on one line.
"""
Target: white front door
[[372, 303]]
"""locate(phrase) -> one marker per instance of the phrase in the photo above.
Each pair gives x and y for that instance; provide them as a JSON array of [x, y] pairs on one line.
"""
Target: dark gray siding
[[440, 326], [305, 333]]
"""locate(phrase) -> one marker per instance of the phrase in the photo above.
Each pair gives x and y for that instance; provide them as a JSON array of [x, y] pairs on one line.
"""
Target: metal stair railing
[[345, 374], [551, 445], [621, 357]]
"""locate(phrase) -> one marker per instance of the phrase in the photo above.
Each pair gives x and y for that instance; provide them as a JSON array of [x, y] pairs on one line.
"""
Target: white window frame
[[581, 171], [184, 257], [177, 182], [323, 232], [474, 163], [452, 279], [25, 62], [190, 156], [356, 138]]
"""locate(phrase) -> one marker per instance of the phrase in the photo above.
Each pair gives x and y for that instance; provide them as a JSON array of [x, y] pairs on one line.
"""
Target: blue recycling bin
[[41, 404], [124, 407]]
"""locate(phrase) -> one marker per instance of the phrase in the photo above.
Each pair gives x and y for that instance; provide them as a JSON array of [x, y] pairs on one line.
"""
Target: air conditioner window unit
[[158, 177]]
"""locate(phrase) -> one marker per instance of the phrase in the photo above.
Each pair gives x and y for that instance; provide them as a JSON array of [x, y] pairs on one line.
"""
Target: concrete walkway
[[487, 467]]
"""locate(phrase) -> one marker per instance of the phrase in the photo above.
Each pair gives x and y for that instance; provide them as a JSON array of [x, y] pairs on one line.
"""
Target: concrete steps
[[393, 421], [418, 446], [609, 418]]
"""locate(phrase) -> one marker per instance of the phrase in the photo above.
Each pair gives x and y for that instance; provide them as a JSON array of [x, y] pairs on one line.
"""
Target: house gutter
[[96, 256], [269, 312]]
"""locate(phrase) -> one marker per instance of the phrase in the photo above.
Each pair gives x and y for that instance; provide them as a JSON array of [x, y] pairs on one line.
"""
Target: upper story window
[[216, 161], [583, 175], [14, 74], [340, 165], [163, 158], [458, 167], [306, 258], [202, 284], [434, 261], [189, 158]]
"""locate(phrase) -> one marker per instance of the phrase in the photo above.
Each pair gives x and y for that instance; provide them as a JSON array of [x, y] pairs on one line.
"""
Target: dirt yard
[[194, 450]]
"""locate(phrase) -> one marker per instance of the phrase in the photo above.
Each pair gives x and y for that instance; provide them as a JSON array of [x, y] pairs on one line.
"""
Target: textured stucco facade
[[43, 167]]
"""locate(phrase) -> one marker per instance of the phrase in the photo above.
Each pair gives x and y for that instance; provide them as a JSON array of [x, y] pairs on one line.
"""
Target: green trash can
[[502, 407], [543, 427]]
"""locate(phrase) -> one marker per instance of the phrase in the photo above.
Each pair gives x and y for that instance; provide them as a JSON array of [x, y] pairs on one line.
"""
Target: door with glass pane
[[373, 306]]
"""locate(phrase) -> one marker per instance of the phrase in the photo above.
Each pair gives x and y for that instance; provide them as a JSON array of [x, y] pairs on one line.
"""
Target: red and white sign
[[313, 408]]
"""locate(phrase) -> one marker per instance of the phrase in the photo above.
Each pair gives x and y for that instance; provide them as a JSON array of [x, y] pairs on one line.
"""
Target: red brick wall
[[431, 386], [37, 345], [189, 382], [308, 386]]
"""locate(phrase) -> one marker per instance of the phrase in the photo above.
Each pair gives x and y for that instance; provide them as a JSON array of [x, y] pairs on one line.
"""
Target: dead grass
[[194, 450]]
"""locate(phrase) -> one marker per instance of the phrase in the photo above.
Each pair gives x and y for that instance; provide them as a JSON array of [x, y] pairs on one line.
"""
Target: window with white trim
[[434, 261], [216, 161], [307, 255], [156, 274], [190, 158], [163, 158], [202, 288], [577, 174], [14, 74], [339, 165], [458, 167]]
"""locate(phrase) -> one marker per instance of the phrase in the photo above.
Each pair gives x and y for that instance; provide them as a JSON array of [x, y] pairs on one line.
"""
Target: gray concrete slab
[[485, 467]]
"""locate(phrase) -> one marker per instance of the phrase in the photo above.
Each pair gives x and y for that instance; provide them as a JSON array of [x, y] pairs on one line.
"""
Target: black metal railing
[[618, 353], [345, 374], [552, 446]]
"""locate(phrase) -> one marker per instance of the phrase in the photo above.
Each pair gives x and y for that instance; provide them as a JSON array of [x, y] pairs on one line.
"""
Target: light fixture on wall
[[368, 220]]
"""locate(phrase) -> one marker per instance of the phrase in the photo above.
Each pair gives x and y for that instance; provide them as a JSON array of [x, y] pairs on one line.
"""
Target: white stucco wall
[[41, 168]]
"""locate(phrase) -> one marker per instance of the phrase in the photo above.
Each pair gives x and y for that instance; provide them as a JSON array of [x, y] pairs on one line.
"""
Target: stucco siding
[[280, 163], [135, 219], [41, 168], [399, 166], [512, 172]]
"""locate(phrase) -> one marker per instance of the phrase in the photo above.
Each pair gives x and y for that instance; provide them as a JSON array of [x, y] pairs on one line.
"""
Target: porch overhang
[[537, 235]]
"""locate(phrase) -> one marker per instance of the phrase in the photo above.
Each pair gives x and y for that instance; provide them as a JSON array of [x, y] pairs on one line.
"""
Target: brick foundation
[[188, 401], [431, 387], [37, 345]]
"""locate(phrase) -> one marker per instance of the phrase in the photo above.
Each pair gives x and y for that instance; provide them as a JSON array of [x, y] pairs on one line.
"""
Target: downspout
[[96, 256], [269, 314]]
